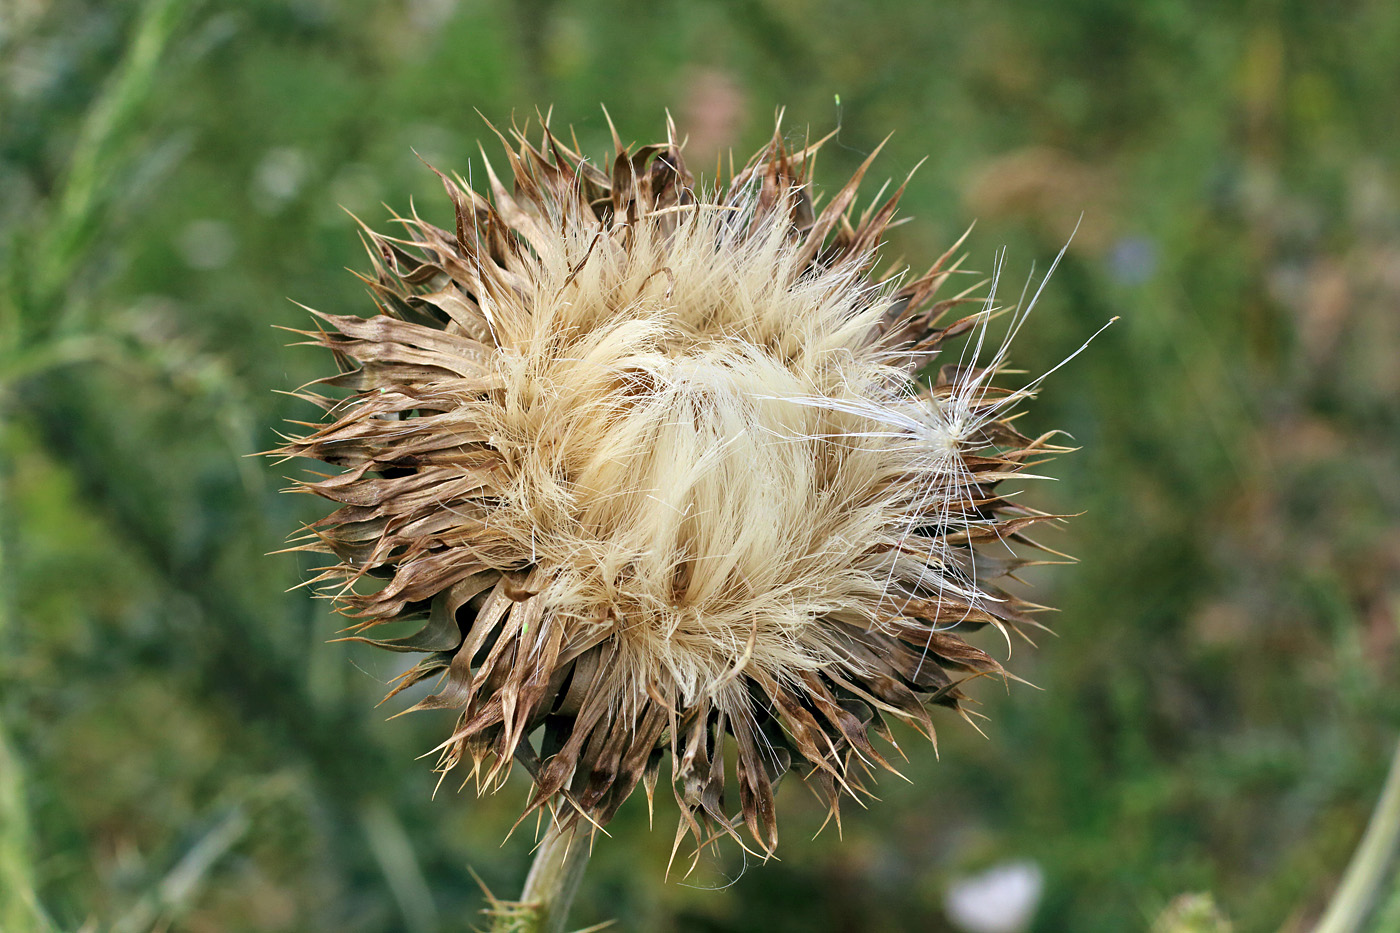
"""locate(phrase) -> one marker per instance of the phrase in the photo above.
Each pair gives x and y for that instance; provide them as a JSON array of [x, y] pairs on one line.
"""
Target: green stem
[[19, 903], [1356, 895], [550, 887], [20, 910]]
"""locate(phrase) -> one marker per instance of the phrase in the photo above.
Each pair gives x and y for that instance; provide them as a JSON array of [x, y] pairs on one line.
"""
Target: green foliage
[[180, 748]]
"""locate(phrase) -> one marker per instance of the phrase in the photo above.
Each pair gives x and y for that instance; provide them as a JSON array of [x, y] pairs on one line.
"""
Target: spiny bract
[[653, 466]]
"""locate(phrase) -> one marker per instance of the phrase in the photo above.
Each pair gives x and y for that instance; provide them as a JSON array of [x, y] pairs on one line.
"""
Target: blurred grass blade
[[178, 889], [19, 903], [87, 184], [393, 850], [1356, 895], [50, 355]]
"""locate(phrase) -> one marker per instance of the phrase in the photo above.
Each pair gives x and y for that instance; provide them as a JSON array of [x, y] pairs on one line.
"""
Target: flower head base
[[653, 467]]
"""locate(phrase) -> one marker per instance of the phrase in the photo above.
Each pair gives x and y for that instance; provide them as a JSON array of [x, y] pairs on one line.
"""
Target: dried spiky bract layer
[[653, 468]]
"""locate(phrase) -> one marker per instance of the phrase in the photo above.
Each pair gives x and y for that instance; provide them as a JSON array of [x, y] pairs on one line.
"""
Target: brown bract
[[652, 467]]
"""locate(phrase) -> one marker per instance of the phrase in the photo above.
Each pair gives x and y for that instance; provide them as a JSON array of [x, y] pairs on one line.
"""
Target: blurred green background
[[181, 749]]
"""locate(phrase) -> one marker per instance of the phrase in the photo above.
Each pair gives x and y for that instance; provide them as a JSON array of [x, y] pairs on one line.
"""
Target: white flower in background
[[1001, 899]]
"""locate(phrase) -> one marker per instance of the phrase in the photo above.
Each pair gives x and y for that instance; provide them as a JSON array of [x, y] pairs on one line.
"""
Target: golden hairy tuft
[[654, 467]]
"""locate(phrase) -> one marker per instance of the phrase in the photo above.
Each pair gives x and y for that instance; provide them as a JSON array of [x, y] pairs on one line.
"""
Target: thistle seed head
[[654, 467]]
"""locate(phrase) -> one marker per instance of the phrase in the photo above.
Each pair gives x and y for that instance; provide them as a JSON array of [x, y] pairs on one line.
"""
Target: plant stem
[[20, 911], [550, 887], [1356, 895]]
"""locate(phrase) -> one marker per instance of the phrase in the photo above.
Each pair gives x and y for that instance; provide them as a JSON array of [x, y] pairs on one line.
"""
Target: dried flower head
[[654, 467]]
